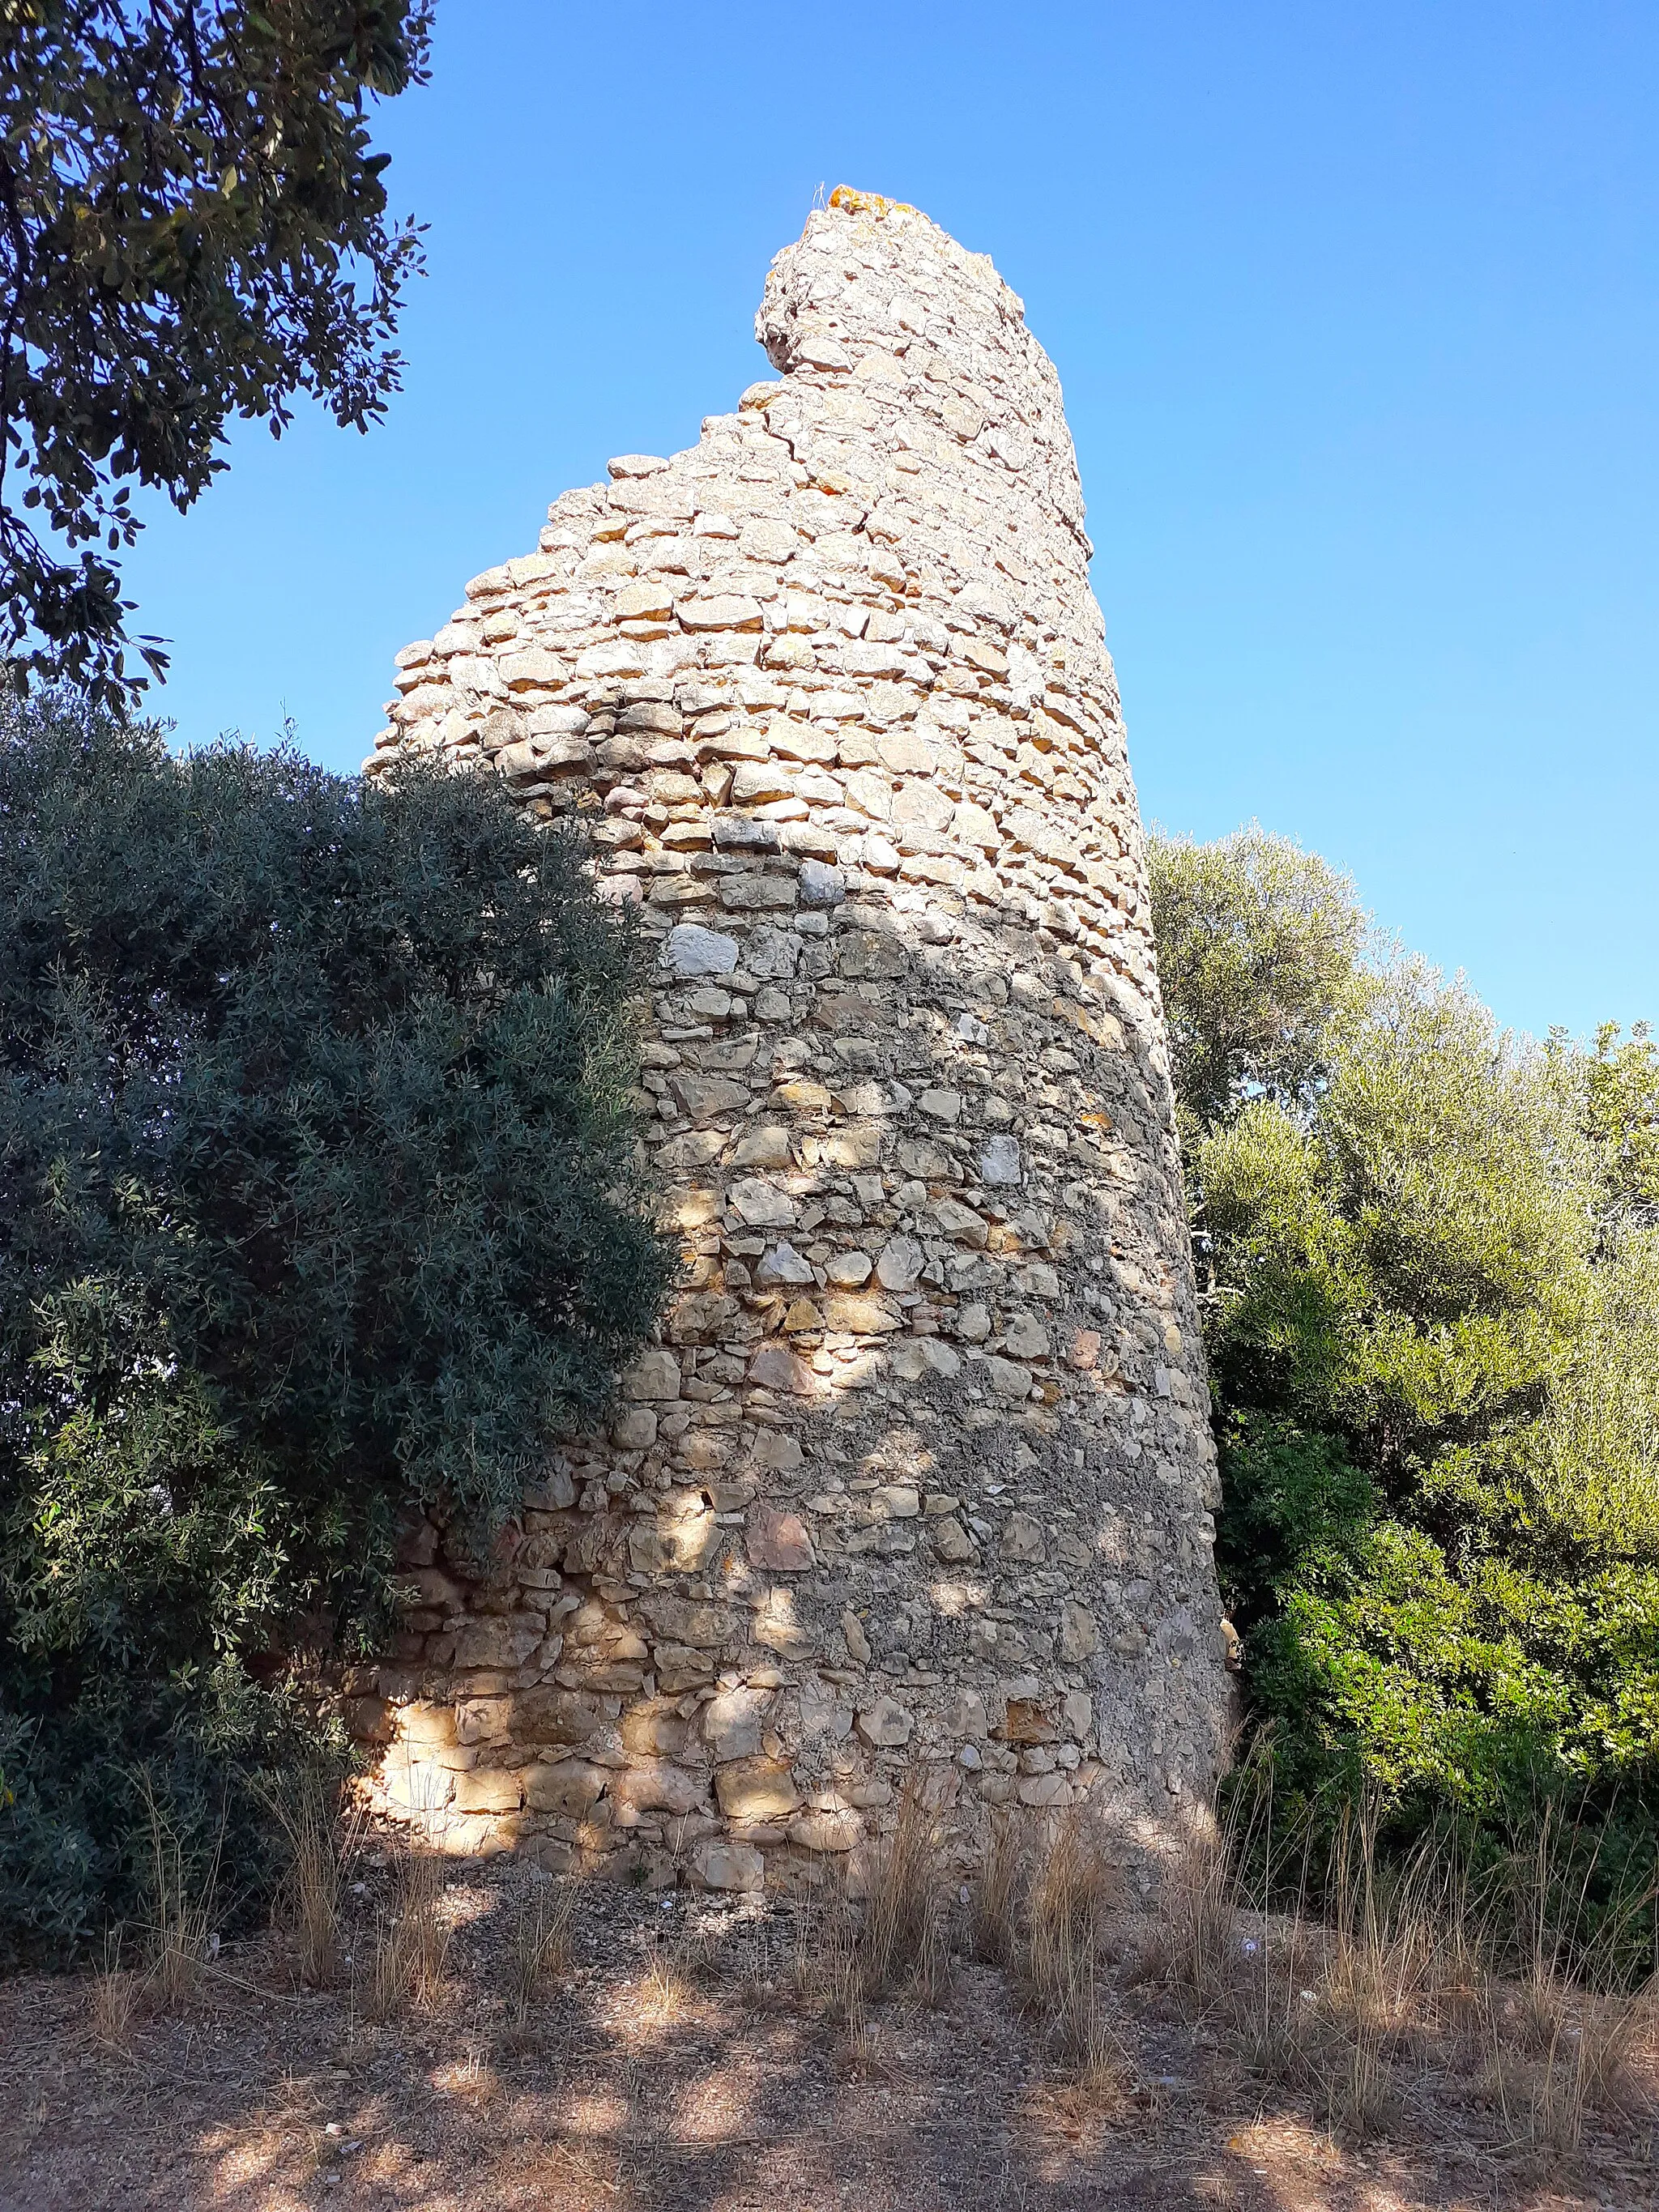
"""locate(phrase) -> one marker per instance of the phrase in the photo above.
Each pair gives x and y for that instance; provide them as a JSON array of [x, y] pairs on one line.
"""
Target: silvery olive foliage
[[317, 1197]]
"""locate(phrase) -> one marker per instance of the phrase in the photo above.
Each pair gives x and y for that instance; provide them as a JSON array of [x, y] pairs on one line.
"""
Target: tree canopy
[[1259, 948], [193, 226], [318, 1196], [1432, 1319]]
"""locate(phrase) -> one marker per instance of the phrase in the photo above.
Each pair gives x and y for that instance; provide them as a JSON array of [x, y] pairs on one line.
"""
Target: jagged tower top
[[870, 280], [914, 1488]]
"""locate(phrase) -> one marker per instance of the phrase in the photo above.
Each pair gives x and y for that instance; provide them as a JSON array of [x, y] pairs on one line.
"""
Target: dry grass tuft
[[902, 1940], [540, 1948], [1202, 1891], [324, 1840], [1413, 1964], [1070, 1892], [1561, 2030], [849, 1954], [996, 1899], [180, 1929], [411, 1942], [113, 2005], [828, 1967], [667, 1991]]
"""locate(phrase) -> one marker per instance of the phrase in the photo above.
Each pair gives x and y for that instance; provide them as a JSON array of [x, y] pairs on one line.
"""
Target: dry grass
[[1558, 2024], [323, 1842], [540, 1948], [901, 1938], [1070, 1892], [996, 1899], [1411, 1965], [180, 1933], [828, 1965], [848, 1954], [667, 1990], [1408, 2010], [114, 2001], [412, 1941]]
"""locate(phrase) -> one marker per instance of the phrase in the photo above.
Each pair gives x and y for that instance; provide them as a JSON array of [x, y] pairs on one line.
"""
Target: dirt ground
[[673, 2064]]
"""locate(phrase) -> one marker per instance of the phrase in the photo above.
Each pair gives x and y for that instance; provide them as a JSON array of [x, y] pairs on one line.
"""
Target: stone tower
[[918, 1478]]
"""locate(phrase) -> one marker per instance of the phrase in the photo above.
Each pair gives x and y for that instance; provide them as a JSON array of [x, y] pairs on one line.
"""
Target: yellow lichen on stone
[[853, 203]]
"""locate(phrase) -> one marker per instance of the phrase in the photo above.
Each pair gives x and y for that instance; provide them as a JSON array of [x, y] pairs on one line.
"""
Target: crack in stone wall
[[917, 1480]]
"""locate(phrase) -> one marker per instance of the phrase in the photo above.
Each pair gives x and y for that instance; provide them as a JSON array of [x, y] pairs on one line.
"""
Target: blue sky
[[1357, 312]]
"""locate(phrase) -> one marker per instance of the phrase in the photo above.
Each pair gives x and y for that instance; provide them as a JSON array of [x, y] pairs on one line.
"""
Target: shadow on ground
[[675, 2064]]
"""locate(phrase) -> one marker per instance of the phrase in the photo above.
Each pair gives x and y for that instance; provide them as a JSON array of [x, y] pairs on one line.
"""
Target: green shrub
[[1432, 1297], [318, 1194]]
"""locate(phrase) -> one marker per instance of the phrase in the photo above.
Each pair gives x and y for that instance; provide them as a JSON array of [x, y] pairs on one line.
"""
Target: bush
[[1432, 1320], [318, 1194]]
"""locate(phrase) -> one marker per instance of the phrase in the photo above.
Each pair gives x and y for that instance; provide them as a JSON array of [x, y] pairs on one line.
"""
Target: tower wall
[[918, 1478]]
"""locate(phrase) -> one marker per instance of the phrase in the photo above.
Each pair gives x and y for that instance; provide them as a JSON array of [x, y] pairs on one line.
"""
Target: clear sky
[[1356, 312]]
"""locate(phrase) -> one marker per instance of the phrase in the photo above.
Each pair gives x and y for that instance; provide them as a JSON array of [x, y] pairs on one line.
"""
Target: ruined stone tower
[[919, 1477]]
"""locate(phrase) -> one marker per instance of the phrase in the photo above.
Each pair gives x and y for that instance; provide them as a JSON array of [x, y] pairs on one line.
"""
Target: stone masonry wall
[[918, 1478]]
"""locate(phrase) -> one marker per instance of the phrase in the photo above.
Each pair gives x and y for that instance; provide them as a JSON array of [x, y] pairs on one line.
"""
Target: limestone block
[[967, 1717], [654, 1375], [779, 1626], [729, 1865], [680, 1667], [925, 1356], [691, 950], [428, 1725], [650, 599], [897, 1501], [779, 1542], [570, 1786], [732, 1721], [369, 1720], [1006, 1379], [757, 1791], [1000, 1162], [827, 1830], [488, 1789], [655, 1786], [634, 1430], [683, 1621], [821, 886], [1077, 1711], [549, 1715], [955, 1219], [1027, 1339], [1022, 1538], [762, 1203], [899, 1268], [721, 611], [886, 1723], [655, 1729], [776, 1368], [1080, 1635], [687, 1533], [944, 1106], [951, 1541], [777, 1452], [860, 1317], [503, 1643]]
